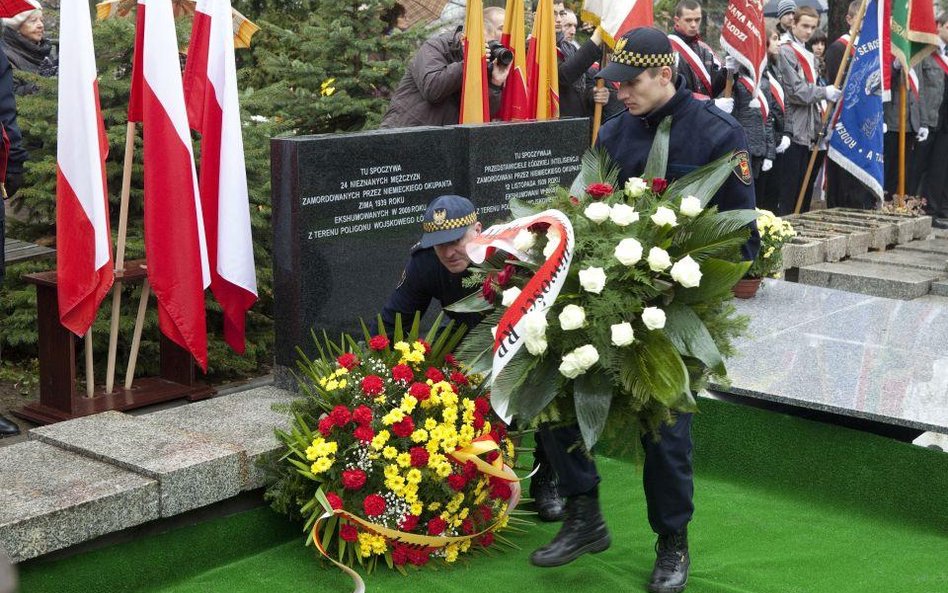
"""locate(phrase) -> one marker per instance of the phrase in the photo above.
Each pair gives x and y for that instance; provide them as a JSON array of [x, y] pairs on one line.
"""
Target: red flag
[[84, 271], [475, 107], [210, 88], [542, 68], [174, 231], [744, 36], [514, 102], [615, 18]]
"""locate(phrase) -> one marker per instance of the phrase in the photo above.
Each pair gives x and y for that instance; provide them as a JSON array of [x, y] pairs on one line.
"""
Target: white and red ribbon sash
[[689, 55], [805, 59], [913, 82], [941, 59], [540, 292], [776, 89], [748, 83]]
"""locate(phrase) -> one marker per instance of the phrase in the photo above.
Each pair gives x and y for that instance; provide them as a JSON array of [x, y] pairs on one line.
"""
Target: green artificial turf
[[783, 505]]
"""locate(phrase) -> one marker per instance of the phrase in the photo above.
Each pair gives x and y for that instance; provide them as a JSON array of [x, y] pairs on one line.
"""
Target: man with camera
[[430, 91]]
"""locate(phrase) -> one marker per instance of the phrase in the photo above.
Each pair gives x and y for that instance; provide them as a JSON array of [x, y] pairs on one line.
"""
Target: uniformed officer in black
[[436, 267], [644, 65]]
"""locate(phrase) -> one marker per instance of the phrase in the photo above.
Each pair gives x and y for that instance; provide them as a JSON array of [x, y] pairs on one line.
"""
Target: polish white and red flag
[[210, 90], [175, 246], [84, 271]]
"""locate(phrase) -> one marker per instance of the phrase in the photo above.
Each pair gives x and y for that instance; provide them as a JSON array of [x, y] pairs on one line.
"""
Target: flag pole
[[137, 336], [845, 68], [120, 254], [90, 379], [600, 84], [903, 116]]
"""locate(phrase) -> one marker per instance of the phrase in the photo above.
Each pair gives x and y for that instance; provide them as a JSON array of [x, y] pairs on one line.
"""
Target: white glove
[[922, 135], [885, 128], [730, 62], [767, 165], [725, 104], [832, 93], [784, 145]]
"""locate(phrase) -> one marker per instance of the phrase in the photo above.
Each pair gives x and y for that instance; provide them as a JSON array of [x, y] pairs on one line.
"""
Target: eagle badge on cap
[[620, 44], [439, 216]]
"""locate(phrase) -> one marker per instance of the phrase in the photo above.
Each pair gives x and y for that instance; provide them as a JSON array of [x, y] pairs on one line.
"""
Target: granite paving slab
[[244, 421], [859, 239], [53, 498], [932, 245], [922, 260], [872, 358], [192, 471], [803, 251], [940, 288], [868, 278], [904, 227], [880, 236]]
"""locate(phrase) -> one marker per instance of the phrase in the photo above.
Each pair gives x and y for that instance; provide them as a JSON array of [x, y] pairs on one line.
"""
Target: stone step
[[933, 299], [868, 278], [242, 420], [922, 260], [933, 245], [940, 288], [53, 499], [191, 470]]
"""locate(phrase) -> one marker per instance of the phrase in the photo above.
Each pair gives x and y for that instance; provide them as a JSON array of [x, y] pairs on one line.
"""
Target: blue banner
[[856, 141]]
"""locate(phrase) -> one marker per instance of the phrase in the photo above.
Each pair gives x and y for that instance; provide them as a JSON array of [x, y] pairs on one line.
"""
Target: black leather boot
[[8, 428], [546, 499], [670, 574], [583, 531]]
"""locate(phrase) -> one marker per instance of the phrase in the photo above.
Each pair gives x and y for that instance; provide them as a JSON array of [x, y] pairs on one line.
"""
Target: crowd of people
[[799, 84]]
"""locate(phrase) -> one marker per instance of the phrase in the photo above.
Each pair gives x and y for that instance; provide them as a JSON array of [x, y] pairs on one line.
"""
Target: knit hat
[[785, 7], [16, 21]]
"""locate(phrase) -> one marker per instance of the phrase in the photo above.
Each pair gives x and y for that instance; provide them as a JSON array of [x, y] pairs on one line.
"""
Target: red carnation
[[362, 415], [419, 456], [334, 501], [373, 385], [402, 372], [499, 489], [364, 434], [481, 405], [437, 526], [348, 360], [659, 185], [539, 227], [326, 425], [404, 427], [420, 391], [478, 421], [353, 479], [574, 200], [419, 556], [408, 523], [487, 289], [340, 415], [458, 378], [491, 456], [598, 191], [426, 345], [504, 276], [399, 554], [470, 470], [378, 343], [373, 505], [486, 512], [457, 482], [487, 539], [434, 374], [348, 532], [467, 527], [449, 358]]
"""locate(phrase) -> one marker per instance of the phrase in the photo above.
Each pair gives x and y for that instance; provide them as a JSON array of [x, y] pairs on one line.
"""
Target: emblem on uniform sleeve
[[743, 168], [440, 215]]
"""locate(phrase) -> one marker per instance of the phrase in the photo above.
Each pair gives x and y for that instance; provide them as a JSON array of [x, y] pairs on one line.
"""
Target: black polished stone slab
[[347, 209]]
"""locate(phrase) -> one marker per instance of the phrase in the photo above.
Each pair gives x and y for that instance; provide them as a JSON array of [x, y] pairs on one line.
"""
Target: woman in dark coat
[[28, 48]]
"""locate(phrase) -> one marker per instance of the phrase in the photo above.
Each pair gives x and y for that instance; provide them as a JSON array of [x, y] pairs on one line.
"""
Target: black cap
[[637, 51], [446, 220]]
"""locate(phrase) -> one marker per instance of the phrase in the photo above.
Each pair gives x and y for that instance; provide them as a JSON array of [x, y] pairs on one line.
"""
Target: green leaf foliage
[[658, 156], [592, 394], [690, 336], [653, 367], [703, 183], [718, 277]]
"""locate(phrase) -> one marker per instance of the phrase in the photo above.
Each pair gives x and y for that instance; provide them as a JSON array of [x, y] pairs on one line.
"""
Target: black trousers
[[792, 169], [845, 191], [767, 186], [935, 185], [891, 146], [667, 478]]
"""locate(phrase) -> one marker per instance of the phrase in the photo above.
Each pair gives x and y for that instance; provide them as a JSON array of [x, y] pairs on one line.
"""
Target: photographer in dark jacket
[[12, 157], [430, 91]]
